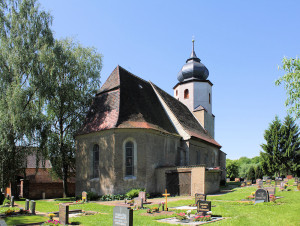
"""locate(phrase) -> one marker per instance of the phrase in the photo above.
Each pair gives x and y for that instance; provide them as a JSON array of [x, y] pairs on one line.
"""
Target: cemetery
[[229, 207]]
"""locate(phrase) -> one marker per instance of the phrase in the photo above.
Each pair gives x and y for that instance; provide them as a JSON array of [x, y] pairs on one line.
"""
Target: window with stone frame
[[129, 158], [96, 161], [186, 94]]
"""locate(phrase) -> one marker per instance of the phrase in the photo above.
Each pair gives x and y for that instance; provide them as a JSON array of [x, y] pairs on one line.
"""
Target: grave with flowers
[[185, 217]]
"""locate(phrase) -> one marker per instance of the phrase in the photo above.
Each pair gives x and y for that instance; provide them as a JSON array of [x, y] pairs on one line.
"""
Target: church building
[[136, 135]]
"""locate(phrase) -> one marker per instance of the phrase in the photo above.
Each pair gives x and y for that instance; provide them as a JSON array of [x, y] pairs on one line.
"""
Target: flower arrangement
[[202, 218], [154, 209], [51, 222], [51, 215], [9, 212], [298, 187], [181, 216], [149, 210], [272, 198], [22, 211]]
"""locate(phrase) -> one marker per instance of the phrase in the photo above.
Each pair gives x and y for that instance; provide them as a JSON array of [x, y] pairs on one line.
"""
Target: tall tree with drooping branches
[[24, 31], [73, 77]]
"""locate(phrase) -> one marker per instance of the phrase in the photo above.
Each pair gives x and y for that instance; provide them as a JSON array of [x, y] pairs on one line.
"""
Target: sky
[[242, 44]]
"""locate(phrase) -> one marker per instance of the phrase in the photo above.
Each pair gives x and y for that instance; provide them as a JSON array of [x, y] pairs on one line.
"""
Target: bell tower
[[195, 91]]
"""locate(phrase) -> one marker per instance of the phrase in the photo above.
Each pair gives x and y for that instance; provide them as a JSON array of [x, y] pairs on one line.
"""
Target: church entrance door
[[178, 183]]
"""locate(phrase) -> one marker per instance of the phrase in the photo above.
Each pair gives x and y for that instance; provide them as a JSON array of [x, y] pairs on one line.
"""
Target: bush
[[91, 196], [133, 193]]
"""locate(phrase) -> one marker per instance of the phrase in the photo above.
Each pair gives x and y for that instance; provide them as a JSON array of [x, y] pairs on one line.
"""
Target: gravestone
[[32, 206], [63, 213], [237, 179], [289, 177], [271, 190], [2, 196], [203, 207], [265, 178], [123, 216], [268, 182], [296, 179], [277, 182], [282, 185], [243, 183], [142, 195], [138, 203], [199, 196], [261, 194], [12, 201], [227, 179], [27, 204], [84, 196]]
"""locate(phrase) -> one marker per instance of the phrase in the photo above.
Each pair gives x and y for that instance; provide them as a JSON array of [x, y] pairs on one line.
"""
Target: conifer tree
[[272, 155], [290, 146]]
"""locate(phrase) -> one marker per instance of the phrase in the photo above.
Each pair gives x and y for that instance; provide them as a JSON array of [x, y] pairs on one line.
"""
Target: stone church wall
[[153, 149], [207, 154], [84, 157]]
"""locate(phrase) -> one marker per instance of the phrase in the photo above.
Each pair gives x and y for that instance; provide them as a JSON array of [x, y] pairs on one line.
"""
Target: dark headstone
[[199, 196], [2, 196], [261, 194], [63, 213], [122, 216], [138, 202], [84, 196], [12, 201], [271, 190], [203, 207], [32, 206], [142, 195], [27, 204]]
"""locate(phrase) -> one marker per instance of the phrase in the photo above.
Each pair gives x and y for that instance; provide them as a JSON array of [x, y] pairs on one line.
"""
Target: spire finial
[[193, 41]]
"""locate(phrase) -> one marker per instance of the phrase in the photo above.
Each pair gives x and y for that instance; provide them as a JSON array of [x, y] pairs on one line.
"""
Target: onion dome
[[193, 69]]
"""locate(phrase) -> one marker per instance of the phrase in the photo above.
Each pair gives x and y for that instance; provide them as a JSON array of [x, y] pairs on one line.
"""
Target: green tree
[[73, 76], [232, 168], [272, 153], [290, 146], [24, 31], [258, 172], [291, 81], [251, 173]]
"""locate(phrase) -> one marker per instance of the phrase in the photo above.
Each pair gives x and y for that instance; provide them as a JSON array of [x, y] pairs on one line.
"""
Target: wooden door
[[184, 183]]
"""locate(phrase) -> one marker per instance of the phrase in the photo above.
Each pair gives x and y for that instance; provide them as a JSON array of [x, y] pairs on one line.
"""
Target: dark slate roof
[[126, 101], [186, 118]]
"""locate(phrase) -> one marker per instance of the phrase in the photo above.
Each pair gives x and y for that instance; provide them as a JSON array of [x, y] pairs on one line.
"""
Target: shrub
[[92, 196], [133, 193]]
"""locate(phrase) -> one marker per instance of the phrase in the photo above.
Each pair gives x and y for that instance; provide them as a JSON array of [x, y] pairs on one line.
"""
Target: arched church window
[[129, 158], [186, 94], [96, 161], [209, 98]]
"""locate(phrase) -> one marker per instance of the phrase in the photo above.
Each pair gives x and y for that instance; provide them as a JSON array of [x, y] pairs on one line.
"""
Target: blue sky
[[241, 43]]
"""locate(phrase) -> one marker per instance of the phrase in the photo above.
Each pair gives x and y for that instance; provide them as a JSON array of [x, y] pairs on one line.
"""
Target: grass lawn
[[285, 211], [24, 220]]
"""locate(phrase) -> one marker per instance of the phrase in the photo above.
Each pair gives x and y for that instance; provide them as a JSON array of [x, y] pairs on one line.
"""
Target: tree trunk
[[65, 180]]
